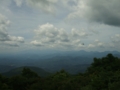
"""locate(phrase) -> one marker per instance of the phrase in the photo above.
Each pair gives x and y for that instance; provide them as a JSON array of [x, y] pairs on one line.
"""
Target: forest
[[102, 74]]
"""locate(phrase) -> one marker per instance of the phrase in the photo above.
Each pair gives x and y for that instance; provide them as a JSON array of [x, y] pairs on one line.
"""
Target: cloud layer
[[62, 24], [102, 11]]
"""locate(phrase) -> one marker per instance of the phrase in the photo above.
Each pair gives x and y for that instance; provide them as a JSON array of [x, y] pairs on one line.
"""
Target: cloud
[[48, 35], [47, 30], [11, 43], [116, 39], [4, 35], [78, 33], [18, 2], [100, 44], [36, 43], [44, 5], [17, 39], [91, 46], [101, 11], [97, 44], [4, 23]]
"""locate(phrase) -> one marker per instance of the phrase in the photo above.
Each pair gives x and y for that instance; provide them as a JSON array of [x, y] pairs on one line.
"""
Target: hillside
[[102, 74], [18, 71], [6, 68]]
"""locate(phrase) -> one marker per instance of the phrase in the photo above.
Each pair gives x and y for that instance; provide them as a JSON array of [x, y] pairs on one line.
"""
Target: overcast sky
[[91, 25]]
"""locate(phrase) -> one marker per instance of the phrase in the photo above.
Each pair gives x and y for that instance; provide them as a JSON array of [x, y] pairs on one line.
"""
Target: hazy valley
[[71, 61]]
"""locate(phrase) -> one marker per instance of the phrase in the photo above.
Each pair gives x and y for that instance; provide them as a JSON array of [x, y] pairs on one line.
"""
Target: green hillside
[[18, 71], [102, 74]]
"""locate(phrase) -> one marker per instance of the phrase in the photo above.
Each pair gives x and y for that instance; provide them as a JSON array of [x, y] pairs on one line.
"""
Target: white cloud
[[18, 39], [4, 23], [48, 35], [47, 30], [4, 35], [97, 44], [91, 46], [36, 43], [79, 10], [78, 33]]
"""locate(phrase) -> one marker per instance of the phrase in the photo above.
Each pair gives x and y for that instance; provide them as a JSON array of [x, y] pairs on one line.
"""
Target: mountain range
[[72, 61]]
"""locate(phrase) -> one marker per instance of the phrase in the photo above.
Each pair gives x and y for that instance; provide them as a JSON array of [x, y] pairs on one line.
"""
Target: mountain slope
[[18, 71]]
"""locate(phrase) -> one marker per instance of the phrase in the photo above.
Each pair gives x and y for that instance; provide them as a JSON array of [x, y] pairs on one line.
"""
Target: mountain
[[6, 68], [67, 63], [52, 61], [18, 71]]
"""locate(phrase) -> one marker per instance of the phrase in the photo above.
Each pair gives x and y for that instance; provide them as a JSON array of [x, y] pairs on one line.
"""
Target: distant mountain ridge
[[53, 61]]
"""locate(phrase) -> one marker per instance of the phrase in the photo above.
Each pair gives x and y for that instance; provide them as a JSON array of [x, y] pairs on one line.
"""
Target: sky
[[91, 25]]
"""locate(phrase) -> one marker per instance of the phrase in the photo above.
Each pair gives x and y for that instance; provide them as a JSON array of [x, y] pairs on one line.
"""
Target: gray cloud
[[91, 46], [11, 43], [101, 45], [48, 35], [98, 44], [64, 39], [4, 36], [116, 39], [102, 11], [105, 11]]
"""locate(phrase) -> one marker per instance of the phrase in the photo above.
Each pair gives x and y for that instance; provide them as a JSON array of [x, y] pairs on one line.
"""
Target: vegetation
[[18, 71], [103, 74]]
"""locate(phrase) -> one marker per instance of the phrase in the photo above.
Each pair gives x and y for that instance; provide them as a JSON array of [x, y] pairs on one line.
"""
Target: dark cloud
[[104, 11], [13, 44]]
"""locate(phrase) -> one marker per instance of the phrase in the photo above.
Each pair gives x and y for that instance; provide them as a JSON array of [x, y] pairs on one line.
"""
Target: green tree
[[18, 83], [26, 72]]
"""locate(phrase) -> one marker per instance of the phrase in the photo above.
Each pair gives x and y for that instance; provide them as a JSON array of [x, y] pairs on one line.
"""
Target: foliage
[[103, 74]]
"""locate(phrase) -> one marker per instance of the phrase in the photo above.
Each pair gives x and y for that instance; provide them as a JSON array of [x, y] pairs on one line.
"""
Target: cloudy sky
[[91, 25]]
